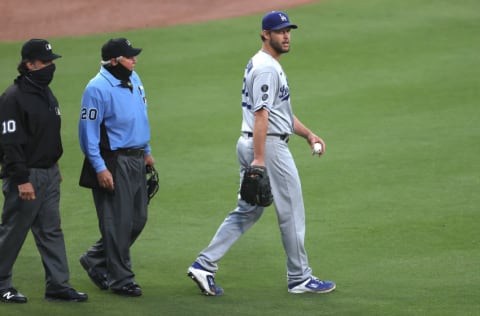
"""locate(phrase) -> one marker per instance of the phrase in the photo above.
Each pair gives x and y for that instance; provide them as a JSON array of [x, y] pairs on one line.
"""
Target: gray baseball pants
[[42, 216], [288, 202], [122, 215]]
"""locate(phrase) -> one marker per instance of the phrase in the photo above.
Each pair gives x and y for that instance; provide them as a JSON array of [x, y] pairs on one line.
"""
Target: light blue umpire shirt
[[123, 111]]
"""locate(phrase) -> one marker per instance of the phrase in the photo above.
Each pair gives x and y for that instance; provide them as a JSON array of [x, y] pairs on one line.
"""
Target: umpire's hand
[[105, 179]]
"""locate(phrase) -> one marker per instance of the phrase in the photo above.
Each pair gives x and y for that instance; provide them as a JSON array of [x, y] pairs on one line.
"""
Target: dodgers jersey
[[123, 112], [265, 86]]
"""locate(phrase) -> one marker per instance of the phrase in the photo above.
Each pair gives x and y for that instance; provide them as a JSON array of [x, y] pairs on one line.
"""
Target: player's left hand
[[312, 139]]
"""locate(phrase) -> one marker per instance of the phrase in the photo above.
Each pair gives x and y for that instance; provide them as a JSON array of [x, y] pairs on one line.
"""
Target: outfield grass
[[392, 208]]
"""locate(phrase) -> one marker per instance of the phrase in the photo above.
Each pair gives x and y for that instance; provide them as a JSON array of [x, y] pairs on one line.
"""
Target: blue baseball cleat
[[312, 285], [204, 279]]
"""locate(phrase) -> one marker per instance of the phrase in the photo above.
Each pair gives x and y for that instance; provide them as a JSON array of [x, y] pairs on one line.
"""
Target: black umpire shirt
[[30, 129]]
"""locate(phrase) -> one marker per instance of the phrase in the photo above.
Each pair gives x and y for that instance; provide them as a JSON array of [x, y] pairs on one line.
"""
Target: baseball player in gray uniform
[[268, 122]]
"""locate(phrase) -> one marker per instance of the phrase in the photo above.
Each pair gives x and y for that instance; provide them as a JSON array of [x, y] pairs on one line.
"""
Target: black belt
[[135, 152], [284, 137]]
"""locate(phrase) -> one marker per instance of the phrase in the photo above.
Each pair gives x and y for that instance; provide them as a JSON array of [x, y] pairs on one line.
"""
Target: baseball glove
[[255, 188], [152, 182]]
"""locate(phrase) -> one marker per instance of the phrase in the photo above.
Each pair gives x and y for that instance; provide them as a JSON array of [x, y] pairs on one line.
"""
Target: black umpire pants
[[122, 215]]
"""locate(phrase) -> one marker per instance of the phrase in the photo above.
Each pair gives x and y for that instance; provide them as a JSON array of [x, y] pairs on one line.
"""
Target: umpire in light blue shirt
[[114, 135]]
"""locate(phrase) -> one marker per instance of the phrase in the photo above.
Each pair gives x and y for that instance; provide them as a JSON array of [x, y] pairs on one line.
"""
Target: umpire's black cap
[[117, 47], [38, 49]]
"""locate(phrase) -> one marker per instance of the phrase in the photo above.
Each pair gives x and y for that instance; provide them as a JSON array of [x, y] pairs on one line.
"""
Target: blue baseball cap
[[276, 20]]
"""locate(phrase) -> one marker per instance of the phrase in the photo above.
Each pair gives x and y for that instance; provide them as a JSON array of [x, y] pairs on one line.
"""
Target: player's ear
[[266, 34]]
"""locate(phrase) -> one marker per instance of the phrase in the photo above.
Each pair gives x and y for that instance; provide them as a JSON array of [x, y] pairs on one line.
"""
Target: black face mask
[[44, 76], [119, 71]]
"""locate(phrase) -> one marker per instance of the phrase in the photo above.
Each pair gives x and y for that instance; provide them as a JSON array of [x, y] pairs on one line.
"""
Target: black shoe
[[99, 279], [70, 295], [11, 295], [131, 289]]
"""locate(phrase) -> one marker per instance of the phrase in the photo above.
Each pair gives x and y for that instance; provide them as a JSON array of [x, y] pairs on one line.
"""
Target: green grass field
[[392, 208]]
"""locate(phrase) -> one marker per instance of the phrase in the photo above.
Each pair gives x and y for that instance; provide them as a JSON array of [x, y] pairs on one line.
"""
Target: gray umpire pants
[[122, 215], [42, 216], [288, 201]]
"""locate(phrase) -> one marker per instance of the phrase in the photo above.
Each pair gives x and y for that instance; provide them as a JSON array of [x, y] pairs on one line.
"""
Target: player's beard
[[278, 48]]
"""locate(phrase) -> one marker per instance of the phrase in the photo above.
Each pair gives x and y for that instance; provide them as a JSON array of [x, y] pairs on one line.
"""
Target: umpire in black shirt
[[30, 147]]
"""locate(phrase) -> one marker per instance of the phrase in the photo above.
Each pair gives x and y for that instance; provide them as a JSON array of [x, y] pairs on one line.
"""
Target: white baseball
[[317, 148]]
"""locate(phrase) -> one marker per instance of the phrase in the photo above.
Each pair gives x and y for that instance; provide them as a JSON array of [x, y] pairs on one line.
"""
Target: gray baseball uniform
[[265, 86]]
